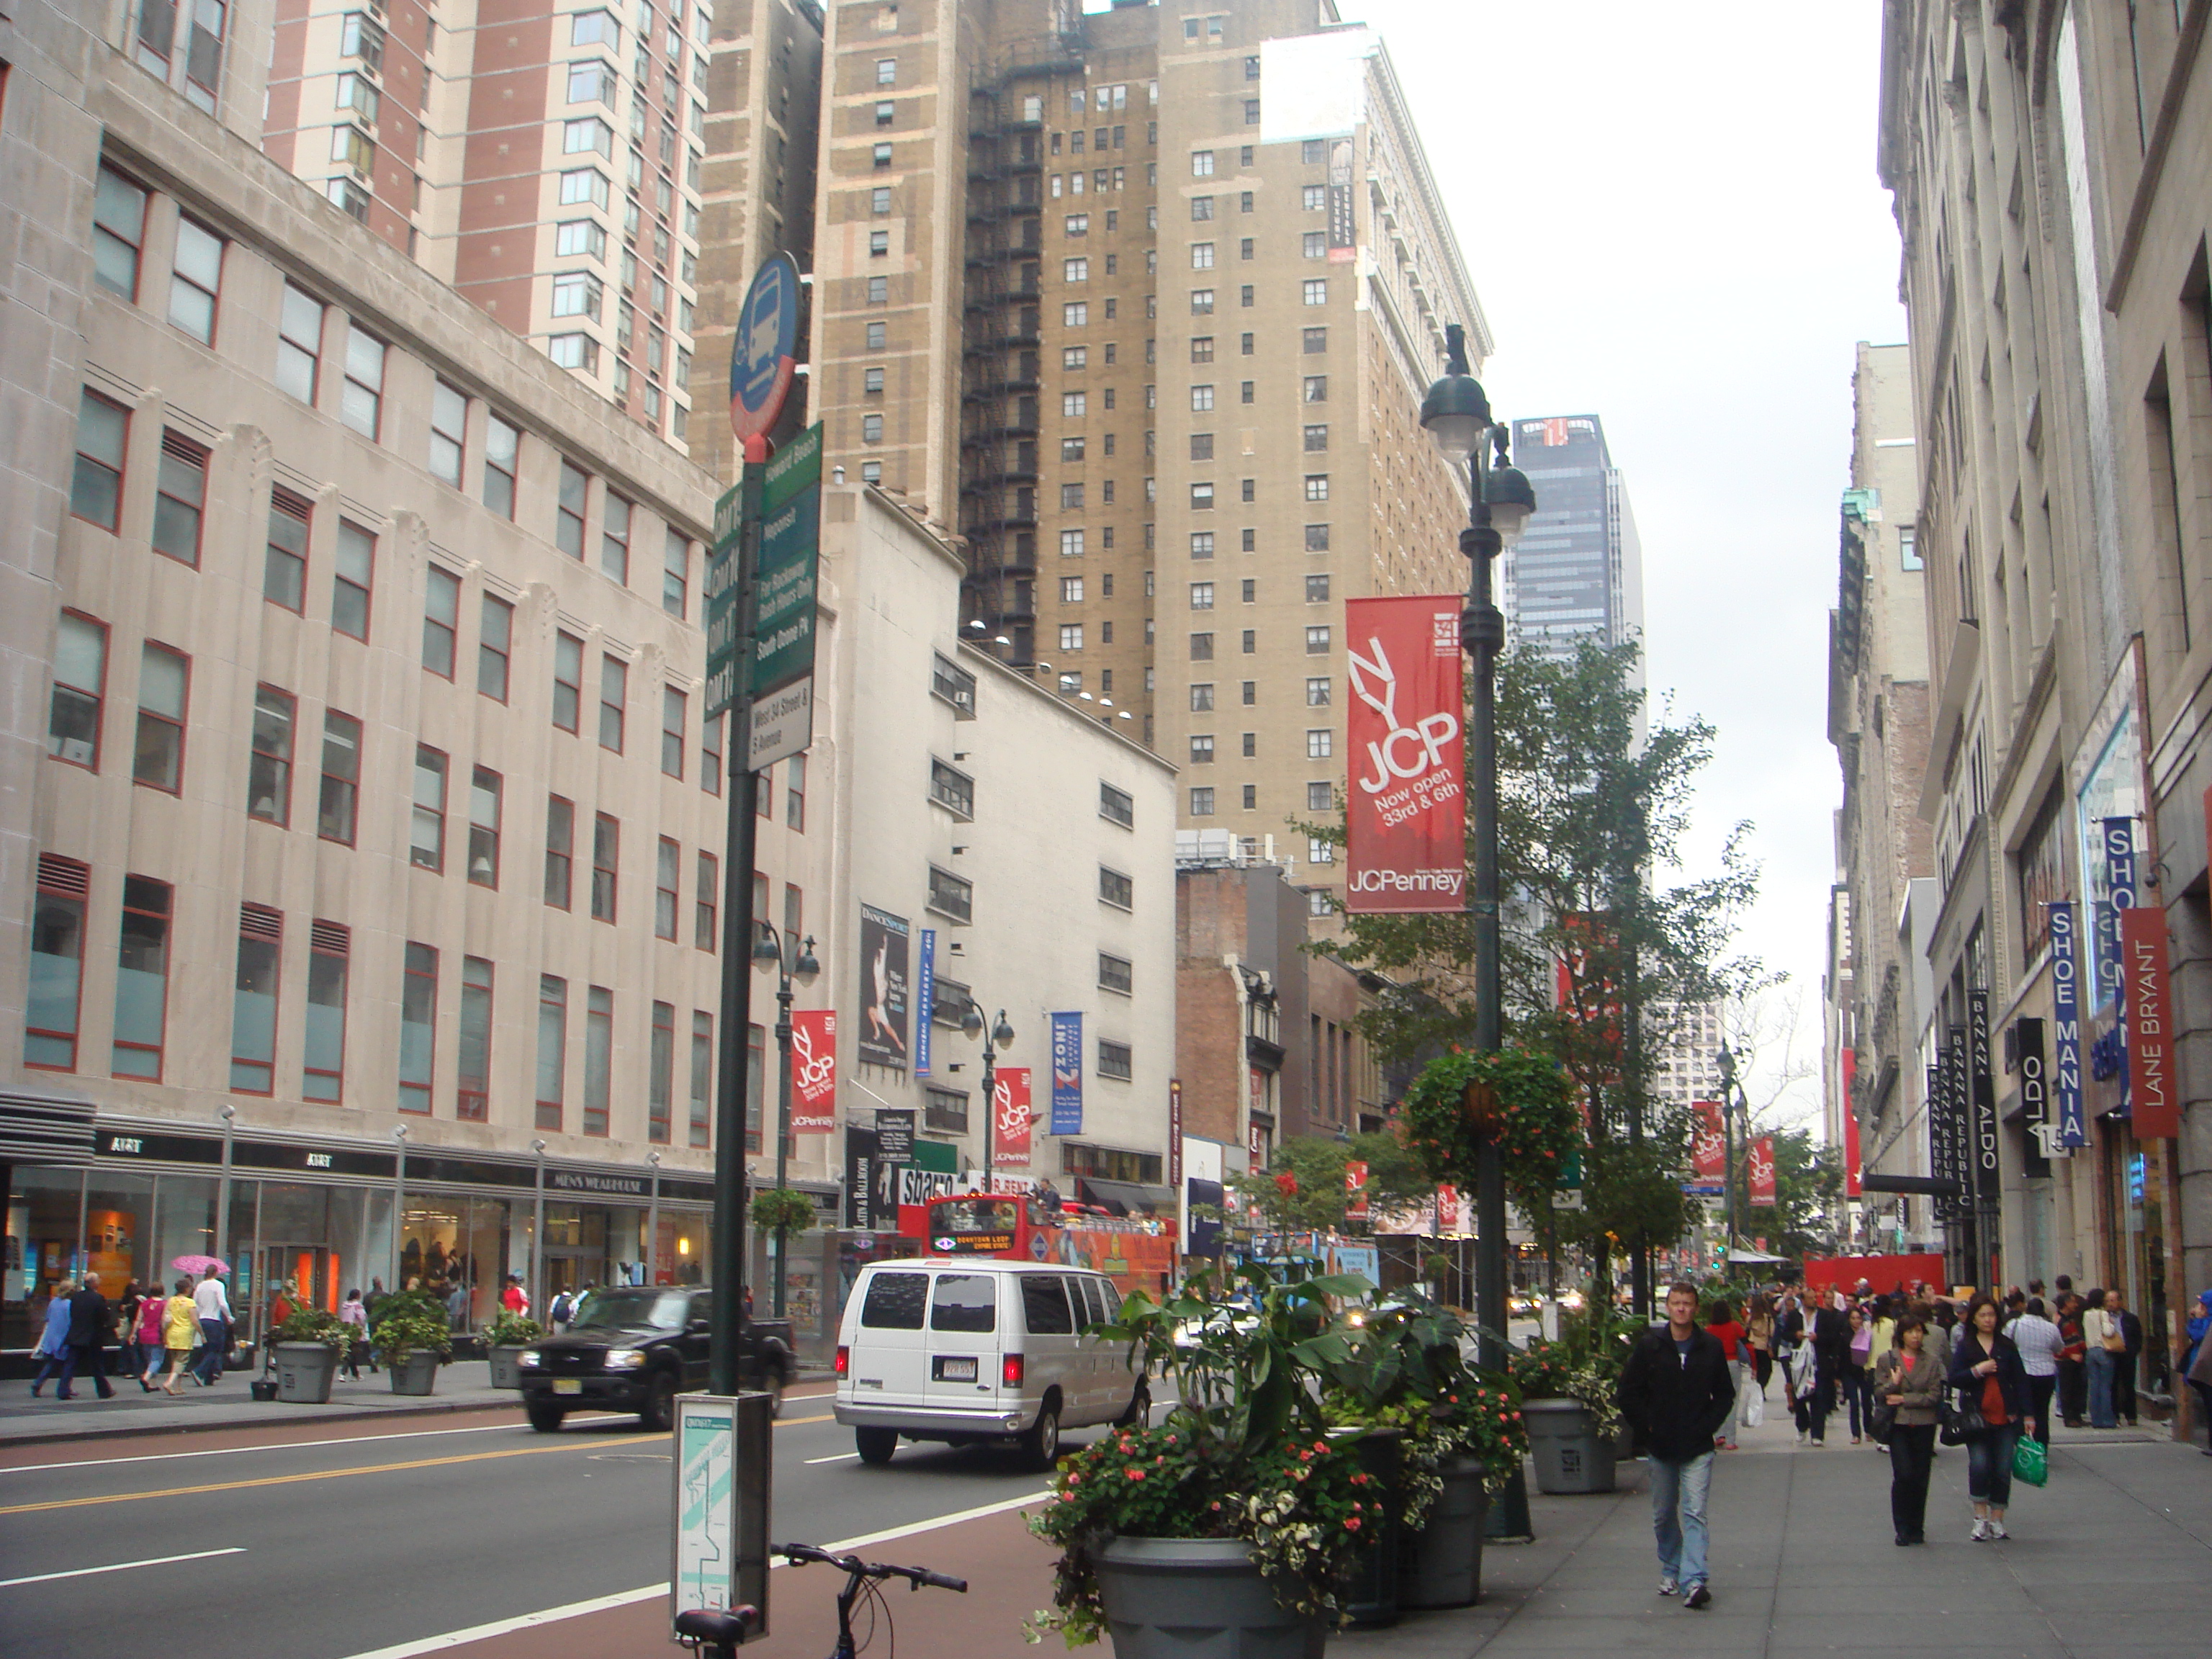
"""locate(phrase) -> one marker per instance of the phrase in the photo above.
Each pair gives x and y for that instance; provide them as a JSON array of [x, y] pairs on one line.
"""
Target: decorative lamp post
[[1001, 1035], [792, 959], [1733, 1103], [1457, 416]]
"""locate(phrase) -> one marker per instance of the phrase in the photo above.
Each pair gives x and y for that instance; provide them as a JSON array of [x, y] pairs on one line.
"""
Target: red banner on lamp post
[[813, 1071], [1708, 1147], [1762, 1170], [1405, 799], [1009, 1108], [2154, 1090]]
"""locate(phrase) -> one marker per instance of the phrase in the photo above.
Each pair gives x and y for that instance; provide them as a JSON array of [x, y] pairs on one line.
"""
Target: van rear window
[[894, 1302], [1044, 1306], [965, 1302]]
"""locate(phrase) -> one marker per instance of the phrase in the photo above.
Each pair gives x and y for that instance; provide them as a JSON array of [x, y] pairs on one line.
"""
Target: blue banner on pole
[[1067, 1074], [2120, 839], [2066, 1026], [926, 983]]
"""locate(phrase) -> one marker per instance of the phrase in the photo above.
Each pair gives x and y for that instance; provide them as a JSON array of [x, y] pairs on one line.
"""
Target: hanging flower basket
[[1517, 1096]]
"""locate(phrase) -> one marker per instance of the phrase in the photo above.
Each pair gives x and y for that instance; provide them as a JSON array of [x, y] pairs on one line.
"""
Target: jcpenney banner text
[[1406, 804]]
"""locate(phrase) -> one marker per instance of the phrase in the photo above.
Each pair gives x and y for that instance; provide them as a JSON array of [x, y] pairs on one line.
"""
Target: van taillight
[[844, 1360], [1011, 1371]]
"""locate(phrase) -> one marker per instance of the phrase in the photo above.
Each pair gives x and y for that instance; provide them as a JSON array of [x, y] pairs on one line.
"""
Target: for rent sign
[[1405, 808]]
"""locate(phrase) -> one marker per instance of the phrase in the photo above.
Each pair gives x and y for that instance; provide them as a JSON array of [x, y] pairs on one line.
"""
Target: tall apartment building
[[550, 161], [2046, 167], [1142, 305], [1878, 720], [1686, 1067], [1577, 571]]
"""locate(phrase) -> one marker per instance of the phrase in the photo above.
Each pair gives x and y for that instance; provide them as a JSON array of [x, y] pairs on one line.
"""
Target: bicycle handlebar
[[852, 1564]]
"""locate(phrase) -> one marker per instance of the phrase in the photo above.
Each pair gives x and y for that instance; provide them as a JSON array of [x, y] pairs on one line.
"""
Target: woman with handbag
[[1908, 1388], [153, 1318], [1858, 1361], [2102, 1342], [1993, 1404]]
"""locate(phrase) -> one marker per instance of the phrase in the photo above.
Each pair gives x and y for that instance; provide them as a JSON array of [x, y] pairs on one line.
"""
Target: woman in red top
[[1736, 1347], [1985, 1370]]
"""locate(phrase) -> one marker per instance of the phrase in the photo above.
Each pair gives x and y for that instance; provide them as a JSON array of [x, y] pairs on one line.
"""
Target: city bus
[[1137, 1254]]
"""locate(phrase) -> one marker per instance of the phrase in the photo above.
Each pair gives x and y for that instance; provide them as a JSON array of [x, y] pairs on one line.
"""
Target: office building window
[[552, 1050], [269, 766], [598, 1058], [1114, 1059], [710, 755], [195, 280], [442, 615], [1316, 486], [74, 715], [57, 965], [1201, 803], [1316, 439], [426, 841], [502, 448], [360, 404], [158, 757], [141, 979], [666, 871], [1319, 743], [494, 643], [660, 1074], [329, 970], [1320, 797], [1316, 590], [1316, 641], [606, 847], [568, 682], [1201, 749], [675, 572], [119, 232], [102, 433], [449, 421], [614, 699], [253, 1002], [179, 499], [336, 802], [705, 899], [702, 1078], [485, 793], [284, 566]]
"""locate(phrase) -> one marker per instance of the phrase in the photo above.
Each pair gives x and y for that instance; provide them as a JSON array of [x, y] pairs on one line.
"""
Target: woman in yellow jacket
[[180, 1333]]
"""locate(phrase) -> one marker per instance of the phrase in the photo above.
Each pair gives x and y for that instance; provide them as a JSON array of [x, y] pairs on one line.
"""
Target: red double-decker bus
[[1136, 1254]]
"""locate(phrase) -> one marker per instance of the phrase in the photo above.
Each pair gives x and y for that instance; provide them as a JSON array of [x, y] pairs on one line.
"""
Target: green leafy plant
[[1584, 1366], [780, 1206], [1247, 1453], [413, 1322], [313, 1325], [512, 1330], [1518, 1095]]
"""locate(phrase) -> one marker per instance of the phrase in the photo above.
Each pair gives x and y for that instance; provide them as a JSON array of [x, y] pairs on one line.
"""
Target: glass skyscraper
[[1578, 572]]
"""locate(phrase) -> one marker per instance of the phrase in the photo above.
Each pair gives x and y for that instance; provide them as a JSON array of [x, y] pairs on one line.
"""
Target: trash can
[[305, 1371], [1570, 1454]]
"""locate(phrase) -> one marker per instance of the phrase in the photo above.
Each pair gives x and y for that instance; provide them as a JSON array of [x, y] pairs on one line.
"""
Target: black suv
[[635, 1350]]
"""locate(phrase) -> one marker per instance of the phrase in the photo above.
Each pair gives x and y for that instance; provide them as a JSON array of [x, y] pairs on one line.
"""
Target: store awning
[[45, 1129], [1124, 1197], [1755, 1257]]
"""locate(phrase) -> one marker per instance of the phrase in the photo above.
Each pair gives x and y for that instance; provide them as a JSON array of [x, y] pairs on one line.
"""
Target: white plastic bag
[[1754, 1409]]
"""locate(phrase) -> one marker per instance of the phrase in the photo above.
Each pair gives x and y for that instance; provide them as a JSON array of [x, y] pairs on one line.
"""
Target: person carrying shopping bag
[[1993, 1405]]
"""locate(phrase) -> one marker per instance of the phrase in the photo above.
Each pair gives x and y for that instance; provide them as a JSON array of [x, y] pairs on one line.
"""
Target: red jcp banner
[[1010, 1108], [813, 1071], [1708, 1144], [1762, 1170], [1406, 807], [2154, 1090]]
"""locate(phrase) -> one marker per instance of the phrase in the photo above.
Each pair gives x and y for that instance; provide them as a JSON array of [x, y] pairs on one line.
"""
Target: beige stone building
[[2049, 169], [1878, 715]]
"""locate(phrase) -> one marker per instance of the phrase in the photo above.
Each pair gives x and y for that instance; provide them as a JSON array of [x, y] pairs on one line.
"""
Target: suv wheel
[[659, 1413], [545, 1418], [875, 1445], [1041, 1445], [1139, 1411], [778, 1380]]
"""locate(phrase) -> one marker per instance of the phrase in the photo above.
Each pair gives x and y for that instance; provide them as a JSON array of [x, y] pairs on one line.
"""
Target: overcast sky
[[1671, 216]]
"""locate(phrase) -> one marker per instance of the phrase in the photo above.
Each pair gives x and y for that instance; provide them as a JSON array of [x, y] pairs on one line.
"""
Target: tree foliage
[[1600, 943], [1315, 1199]]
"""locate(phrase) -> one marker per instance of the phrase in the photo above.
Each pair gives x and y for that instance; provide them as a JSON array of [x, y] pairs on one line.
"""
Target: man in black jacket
[[87, 1339], [1675, 1391]]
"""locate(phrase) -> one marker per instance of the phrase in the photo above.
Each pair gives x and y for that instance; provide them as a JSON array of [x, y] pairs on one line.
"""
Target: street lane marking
[[646, 1592], [356, 1440], [119, 1566], [841, 1457], [311, 1474]]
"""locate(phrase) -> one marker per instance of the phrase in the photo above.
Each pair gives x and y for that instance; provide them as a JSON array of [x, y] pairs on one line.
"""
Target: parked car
[[972, 1352], [634, 1349]]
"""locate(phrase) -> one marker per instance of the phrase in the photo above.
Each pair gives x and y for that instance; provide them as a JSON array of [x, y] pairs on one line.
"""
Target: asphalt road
[[355, 1541]]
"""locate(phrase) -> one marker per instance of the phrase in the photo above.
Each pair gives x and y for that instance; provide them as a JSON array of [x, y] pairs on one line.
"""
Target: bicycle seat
[[722, 1627]]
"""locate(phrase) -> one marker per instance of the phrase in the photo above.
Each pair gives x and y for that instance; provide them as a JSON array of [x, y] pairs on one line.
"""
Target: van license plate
[[568, 1385], [950, 1370]]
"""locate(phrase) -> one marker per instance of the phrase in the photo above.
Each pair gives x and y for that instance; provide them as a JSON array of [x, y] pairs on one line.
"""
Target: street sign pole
[[730, 587]]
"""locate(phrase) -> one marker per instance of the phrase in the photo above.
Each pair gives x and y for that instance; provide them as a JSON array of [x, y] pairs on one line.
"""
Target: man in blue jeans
[[1675, 1391]]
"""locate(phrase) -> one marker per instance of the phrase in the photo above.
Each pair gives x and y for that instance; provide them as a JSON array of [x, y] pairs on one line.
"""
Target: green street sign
[[794, 469], [783, 593]]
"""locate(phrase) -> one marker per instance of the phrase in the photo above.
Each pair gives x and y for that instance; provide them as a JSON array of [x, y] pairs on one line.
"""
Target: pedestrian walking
[[1720, 1323], [2101, 1343], [457, 1305], [1993, 1403], [1820, 1372], [2126, 1358], [1858, 1359], [1789, 1333], [127, 1357], [2197, 1363], [2039, 1343], [1759, 1331], [153, 1315], [180, 1333], [90, 1326], [1909, 1380], [52, 1352], [213, 1305], [2073, 1378], [353, 1312], [1675, 1392], [514, 1298]]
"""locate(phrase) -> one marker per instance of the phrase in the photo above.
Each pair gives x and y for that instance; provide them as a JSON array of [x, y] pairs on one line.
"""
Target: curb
[[371, 1414]]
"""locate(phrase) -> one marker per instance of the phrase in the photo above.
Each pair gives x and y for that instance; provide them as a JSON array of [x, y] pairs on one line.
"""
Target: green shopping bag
[[2030, 1462]]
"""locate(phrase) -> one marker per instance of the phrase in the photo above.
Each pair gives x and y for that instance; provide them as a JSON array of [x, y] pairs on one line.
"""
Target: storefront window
[[45, 1210], [685, 1249], [460, 1250], [183, 1221], [118, 1218]]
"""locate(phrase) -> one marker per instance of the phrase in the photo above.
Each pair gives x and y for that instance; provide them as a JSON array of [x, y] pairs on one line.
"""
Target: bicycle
[[718, 1634]]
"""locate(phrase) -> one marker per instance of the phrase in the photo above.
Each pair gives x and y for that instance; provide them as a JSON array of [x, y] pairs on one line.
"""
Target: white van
[[970, 1351]]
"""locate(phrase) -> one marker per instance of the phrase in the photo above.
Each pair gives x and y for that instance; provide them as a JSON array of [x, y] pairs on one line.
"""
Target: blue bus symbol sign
[[762, 358]]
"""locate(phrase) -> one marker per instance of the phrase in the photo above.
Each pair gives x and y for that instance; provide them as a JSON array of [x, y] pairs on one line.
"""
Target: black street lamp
[[1456, 414], [1734, 1102], [1001, 1035], [792, 959]]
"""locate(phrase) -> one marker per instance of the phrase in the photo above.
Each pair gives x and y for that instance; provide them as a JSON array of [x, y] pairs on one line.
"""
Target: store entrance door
[[305, 1275]]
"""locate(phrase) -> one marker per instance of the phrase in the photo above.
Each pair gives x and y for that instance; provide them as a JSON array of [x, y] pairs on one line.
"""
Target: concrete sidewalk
[[462, 1387]]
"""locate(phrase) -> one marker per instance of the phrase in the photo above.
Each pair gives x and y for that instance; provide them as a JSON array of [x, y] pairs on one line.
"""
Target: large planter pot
[[416, 1372], [506, 1366], [1570, 1454], [1198, 1598], [1369, 1596], [305, 1371], [1440, 1566]]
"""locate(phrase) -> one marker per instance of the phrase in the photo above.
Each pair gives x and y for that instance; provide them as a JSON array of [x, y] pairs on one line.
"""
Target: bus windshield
[[977, 1215]]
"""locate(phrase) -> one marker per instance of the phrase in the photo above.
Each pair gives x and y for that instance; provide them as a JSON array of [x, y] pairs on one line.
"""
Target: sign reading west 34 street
[[786, 576]]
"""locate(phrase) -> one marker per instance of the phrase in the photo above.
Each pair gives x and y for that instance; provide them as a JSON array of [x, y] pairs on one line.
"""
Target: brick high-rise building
[[1142, 305], [551, 161]]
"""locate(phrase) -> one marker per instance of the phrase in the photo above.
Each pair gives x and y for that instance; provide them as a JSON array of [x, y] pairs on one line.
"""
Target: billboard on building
[[1406, 803], [882, 1035]]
